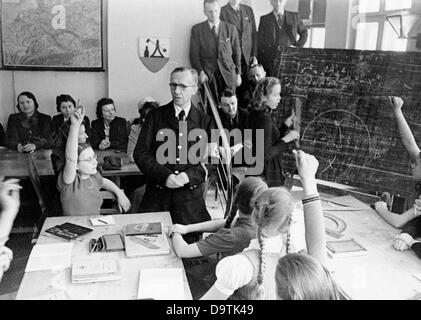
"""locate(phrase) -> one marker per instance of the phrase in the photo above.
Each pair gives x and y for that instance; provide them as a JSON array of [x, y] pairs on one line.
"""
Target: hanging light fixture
[[403, 23]]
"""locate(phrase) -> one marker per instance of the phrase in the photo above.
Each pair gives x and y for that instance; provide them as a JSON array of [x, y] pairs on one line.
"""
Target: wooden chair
[[107, 195]]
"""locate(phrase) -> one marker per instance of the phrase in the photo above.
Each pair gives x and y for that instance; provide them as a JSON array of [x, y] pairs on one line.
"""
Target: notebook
[[69, 231], [93, 270], [143, 228], [345, 248], [161, 284]]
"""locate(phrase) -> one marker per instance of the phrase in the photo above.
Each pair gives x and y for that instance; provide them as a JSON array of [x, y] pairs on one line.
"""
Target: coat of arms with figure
[[154, 52]]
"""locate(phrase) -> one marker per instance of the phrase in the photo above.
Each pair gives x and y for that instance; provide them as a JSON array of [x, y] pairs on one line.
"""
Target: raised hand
[[397, 103], [76, 119], [307, 164], [291, 136]]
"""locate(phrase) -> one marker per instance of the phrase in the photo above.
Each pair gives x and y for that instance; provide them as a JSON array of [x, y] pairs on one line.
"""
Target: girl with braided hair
[[302, 276], [266, 97], [251, 274]]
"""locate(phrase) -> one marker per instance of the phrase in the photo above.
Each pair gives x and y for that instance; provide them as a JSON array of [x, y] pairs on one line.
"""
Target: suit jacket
[[36, 131], [206, 55], [148, 144], [246, 28], [118, 133], [271, 36], [240, 121], [2, 136]]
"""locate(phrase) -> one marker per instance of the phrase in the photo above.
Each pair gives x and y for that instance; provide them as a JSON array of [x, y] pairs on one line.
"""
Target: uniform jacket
[[206, 55], [118, 133], [148, 144], [246, 28], [37, 131], [270, 36]]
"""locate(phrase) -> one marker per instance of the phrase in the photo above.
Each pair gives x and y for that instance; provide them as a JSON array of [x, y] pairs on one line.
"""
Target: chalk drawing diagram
[[341, 135]]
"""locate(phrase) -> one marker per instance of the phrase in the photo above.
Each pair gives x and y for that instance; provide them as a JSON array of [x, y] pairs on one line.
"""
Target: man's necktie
[[181, 115], [215, 34], [280, 20]]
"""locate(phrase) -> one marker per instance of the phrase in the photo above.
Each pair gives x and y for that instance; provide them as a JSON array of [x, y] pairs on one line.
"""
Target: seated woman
[[9, 207], [266, 98], [29, 129], [65, 105], [251, 274], [79, 183], [108, 131], [144, 107], [410, 220]]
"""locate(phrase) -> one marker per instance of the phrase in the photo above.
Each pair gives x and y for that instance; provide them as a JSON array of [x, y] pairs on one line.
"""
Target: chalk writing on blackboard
[[333, 140], [346, 117]]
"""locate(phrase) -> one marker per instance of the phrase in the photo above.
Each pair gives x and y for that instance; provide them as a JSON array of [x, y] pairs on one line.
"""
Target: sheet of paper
[[161, 284], [102, 221], [50, 256]]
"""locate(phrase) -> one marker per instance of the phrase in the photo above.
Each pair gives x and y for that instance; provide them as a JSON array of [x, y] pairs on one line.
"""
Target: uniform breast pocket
[[225, 47]]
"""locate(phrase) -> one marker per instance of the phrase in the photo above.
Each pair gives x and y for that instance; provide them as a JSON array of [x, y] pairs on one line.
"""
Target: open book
[[146, 244], [90, 270], [345, 248]]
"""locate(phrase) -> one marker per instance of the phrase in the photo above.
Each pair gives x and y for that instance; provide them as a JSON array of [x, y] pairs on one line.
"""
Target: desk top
[[383, 273], [15, 164], [56, 284]]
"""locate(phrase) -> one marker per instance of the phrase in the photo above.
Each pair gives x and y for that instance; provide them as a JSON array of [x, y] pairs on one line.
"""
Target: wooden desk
[[383, 273], [15, 164], [56, 284]]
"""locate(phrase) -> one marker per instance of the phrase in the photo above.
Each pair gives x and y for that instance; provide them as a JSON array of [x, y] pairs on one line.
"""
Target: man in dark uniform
[[215, 50], [174, 183], [279, 28]]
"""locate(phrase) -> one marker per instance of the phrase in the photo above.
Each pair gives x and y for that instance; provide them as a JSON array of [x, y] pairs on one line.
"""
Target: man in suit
[[255, 74], [279, 28], [215, 50], [242, 17], [175, 184]]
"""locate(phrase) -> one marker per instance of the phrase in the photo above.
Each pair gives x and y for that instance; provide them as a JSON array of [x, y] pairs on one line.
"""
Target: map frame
[[94, 64]]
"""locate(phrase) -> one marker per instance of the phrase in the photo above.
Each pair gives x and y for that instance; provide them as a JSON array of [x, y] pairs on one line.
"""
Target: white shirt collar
[[215, 24], [272, 245], [235, 9], [186, 109]]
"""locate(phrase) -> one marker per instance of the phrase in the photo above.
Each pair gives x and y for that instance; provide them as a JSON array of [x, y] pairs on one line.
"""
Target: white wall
[[128, 79], [46, 85]]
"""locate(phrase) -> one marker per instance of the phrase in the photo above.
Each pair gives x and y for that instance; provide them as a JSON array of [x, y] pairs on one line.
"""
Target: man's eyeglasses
[[95, 156], [174, 86]]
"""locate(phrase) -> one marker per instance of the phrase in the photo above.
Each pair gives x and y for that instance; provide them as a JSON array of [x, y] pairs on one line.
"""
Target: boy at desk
[[409, 221]]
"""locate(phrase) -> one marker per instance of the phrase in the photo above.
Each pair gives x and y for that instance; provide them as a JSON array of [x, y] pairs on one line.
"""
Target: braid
[[262, 265]]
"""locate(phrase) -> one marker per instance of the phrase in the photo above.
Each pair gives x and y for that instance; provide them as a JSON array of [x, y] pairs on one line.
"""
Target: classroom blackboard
[[346, 119]]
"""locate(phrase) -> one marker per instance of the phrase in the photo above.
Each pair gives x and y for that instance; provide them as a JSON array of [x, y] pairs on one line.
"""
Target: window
[[397, 5], [367, 36], [313, 13], [316, 38], [366, 6], [372, 31], [390, 41]]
